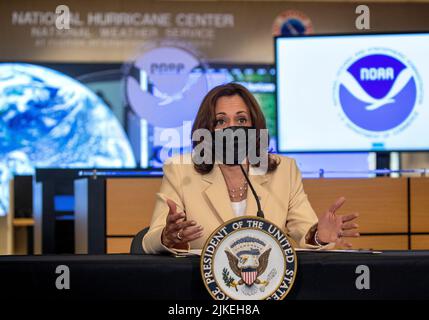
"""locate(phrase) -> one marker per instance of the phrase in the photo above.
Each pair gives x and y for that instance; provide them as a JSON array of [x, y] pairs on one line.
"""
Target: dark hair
[[206, 118]]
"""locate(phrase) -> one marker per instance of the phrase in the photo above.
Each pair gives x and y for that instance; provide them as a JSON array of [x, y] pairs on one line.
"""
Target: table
[[321, 275]]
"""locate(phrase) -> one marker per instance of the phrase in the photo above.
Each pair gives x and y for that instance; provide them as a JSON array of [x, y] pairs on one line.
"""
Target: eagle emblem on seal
[[248, 259]]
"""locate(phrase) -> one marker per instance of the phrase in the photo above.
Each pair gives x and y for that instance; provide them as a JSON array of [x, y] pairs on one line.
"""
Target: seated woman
[[197, 198]]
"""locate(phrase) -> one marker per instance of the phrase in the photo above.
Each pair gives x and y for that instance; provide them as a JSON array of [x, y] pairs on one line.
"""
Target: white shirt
[[239, 208]]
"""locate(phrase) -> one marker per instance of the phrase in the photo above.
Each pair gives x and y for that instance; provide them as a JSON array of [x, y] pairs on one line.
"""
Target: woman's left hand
[[333, 228]]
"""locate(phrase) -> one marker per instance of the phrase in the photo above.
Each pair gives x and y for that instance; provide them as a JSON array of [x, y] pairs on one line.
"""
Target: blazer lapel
[[217, 194], [258, 182]]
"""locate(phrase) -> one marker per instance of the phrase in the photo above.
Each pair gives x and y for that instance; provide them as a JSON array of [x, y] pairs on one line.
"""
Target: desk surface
[[321, 275]]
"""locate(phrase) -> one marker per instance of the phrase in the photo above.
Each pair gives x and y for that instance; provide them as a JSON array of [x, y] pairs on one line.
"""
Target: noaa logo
[[248, 259], [377, 92], [165, 86], [292, 23]]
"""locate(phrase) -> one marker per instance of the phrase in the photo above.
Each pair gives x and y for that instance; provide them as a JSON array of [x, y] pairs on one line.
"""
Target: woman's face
[[232, 111]]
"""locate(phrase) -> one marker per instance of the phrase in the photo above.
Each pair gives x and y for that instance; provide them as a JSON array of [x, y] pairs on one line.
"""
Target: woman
[[196, 198]]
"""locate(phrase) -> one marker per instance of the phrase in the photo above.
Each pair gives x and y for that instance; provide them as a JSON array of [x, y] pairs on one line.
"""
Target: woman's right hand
[[178, 232]]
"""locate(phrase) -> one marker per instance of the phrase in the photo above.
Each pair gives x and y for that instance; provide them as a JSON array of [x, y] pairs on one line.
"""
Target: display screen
[[78, 115], [258, 79], [340, 93]]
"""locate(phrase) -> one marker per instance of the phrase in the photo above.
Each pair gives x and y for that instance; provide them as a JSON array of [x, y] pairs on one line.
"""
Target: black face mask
[[231, 145]]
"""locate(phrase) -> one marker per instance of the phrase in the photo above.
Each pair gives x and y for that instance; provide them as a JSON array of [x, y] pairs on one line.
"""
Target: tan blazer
[[205, 199]]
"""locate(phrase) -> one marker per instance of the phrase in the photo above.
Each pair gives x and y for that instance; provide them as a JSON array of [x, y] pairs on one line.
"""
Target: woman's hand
[[178, 232], [333, 228]]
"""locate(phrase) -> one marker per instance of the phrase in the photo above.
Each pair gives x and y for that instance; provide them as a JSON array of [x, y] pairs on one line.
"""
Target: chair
[[136, 244]]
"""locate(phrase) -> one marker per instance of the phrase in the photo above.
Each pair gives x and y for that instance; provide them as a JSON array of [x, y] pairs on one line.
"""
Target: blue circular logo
[[377, 92], [165, 86], [292, 23]]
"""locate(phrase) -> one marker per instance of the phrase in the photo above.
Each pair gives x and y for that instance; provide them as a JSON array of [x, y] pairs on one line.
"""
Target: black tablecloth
[[321, 275]]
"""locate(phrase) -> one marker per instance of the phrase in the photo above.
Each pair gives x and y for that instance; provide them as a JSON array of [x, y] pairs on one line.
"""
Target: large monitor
[[78, 115], [259, 79], [360, 92]]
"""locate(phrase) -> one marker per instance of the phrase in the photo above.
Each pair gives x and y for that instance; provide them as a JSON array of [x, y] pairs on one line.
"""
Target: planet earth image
[[49, 120]]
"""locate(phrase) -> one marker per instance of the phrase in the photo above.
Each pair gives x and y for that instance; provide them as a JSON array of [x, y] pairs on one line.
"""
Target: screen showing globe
[[78, 115]]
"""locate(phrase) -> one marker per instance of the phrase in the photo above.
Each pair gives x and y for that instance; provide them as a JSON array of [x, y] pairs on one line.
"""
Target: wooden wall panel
[[130, 204], [381, 202], [118, 245], [380, 242], [420, 242], [419, 201]]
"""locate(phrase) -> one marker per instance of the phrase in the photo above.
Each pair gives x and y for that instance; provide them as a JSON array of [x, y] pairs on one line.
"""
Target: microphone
[[260, 213]]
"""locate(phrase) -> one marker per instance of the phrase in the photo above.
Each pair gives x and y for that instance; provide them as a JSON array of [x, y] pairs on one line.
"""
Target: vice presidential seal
[[248, 258]]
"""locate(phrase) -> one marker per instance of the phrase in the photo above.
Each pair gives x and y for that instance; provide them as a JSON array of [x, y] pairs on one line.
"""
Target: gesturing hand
[[333, 228], [178, 231]]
